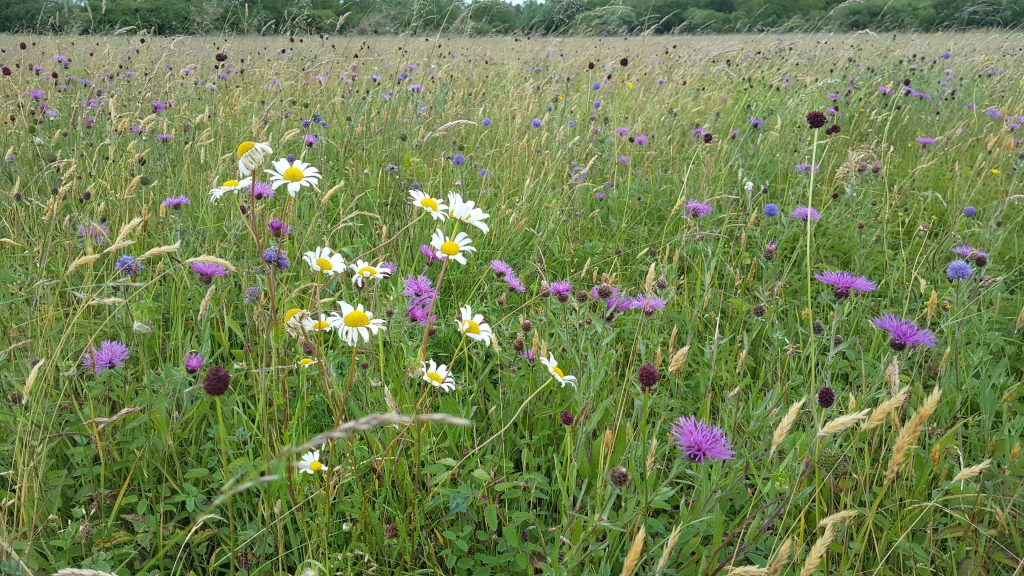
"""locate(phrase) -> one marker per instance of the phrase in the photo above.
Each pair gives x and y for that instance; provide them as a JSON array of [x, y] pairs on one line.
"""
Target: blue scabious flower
[[128, 265], [458, 159], [946, 55], [253, 294], [277, 257], [771, 210], [970, 211], [958, 270], [536, 123], [486, 122]]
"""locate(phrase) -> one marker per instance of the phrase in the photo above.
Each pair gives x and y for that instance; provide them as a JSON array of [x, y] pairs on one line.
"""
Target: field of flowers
[[648, 305]]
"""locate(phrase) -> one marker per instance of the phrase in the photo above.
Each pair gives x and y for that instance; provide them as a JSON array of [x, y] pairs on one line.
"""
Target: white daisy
[[295, 174], [466, 211], [452, 247], [474, 326], [435, 207], [356, 324], [251, 155], [307, 362], [325, 260], [310, 463], [321, 324], [363, 272], [556, 372], [438, 376], [229, 186]]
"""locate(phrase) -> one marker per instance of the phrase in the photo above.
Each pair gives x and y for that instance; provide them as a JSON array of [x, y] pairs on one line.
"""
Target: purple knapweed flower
[[648, 304], [207, 271], [501, 268], [158, 106], [622, 131], [904, 333], [176, 202], [193, 362], [806, 213], [278, 229], [36, 94], [925, 142], [993, 112], [429, 253], [755, 122], [262, 190], [562, 289], [700, 441], [514, 284], [844, 282], [640, 140], [110, 354], [697, 209], [806, 169]]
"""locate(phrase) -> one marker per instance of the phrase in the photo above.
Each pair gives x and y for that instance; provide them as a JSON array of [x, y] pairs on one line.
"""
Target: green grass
[[182, 482]]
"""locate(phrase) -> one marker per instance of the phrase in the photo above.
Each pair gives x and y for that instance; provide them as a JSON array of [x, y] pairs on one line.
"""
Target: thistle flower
[[207, 271], [805, 213], [111, 354], [844, 282], [193, 362], [904, 333], [701, 442]]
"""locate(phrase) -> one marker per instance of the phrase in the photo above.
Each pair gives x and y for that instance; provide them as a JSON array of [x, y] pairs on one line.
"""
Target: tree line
[[484, 17]]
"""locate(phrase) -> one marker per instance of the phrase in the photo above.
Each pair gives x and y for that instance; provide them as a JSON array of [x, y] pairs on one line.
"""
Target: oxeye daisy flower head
[[363, 272], [322, 324], [251, 155], [438, 376], [310, 463], [844, 282], [207, 271], [474, 327], [451, 248], [904, 333], [306, 362], [806, 213], [294, 174], [324, 260], [437, 209], [229, 186], [466, 211], [701, 442], [958, 270], [357, 324], [552, 365]]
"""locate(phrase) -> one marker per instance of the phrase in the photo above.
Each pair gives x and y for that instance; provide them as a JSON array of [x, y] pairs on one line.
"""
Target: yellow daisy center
[[435, 377], [321, 325], [293, 174], [289, 314], [245, 147], [450, 248], [557, 371], [470, 327], [357, 319], [430, 203], [315, 466], [307, 361], [324, 264], [229, 184], [367, 271]]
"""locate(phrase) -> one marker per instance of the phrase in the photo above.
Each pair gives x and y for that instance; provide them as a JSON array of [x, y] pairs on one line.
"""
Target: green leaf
[[491, 516]]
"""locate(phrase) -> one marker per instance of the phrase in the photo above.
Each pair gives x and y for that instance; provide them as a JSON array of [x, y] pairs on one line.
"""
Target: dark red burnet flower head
[[648, 376], [567, 418], [624, 62], [216, 381], [221, 57], [826, 397], [816, 119]]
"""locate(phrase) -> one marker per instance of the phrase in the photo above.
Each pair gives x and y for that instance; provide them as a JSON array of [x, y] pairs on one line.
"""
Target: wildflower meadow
[[316, 305]]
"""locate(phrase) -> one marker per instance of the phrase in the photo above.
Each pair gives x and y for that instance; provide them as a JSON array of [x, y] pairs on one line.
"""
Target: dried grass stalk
[[86, 260], [391, 402], [127, 229], [968, 473], [843, 422], [839, 517], [81, 572], [747, 571], [884, 409], [206, 259], [782, 558], [650, 454], [908, 435], [892, 375], [206, 301], [346, 429], [666, 552], [104, 421], [118, 245], [31, 380], [633, 556], [786, 424], [160, 250], [678, 362], [817, 552]]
